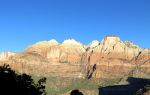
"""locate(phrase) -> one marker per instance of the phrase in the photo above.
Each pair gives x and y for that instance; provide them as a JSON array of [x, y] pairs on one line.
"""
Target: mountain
[[109, 58], [5, 55]]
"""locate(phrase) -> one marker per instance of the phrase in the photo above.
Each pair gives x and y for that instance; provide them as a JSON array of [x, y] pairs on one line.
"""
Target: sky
[[25, 22]]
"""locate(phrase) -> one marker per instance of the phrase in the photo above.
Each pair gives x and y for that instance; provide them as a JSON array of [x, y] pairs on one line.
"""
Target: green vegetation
[[61, 85]]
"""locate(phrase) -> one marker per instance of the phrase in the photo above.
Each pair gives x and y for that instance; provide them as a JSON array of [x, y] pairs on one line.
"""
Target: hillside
[[110, 59]]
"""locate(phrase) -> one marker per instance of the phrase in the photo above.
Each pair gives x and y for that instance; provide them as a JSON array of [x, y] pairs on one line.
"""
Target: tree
[[12, 83]]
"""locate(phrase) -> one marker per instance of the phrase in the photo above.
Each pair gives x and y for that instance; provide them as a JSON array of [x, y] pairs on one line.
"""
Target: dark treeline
[[12, 83]]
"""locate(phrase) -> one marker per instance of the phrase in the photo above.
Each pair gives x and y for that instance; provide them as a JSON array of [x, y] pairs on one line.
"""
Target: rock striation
[[5, 55], [109, 58]]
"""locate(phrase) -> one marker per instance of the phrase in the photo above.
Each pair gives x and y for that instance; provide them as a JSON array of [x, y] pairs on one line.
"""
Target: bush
[[12, 83]]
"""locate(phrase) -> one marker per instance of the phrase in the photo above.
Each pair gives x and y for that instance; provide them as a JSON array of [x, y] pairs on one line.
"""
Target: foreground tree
[[12, 83]]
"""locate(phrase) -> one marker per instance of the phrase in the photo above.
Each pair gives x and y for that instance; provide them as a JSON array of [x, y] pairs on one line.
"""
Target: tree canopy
[[12, 83]]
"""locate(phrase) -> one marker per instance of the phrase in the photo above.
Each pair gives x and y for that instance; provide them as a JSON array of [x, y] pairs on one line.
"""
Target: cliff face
[[5, 55], [115, 58], [112, 44], [109, 58]]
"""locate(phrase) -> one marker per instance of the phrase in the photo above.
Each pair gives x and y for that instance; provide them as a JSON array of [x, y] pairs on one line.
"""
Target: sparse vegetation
[[125, 60], [60, 61], [62, 85], [33, 53]]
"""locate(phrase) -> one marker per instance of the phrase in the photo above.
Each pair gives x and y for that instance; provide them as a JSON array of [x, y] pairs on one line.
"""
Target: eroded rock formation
[[111, 58], [5, 55]]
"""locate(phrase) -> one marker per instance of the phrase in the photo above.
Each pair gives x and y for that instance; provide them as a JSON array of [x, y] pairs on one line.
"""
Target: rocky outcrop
[[109, 58], [93, 44], [114, 58], [5, 55], [41, 47], [113, 44], [69, 51]]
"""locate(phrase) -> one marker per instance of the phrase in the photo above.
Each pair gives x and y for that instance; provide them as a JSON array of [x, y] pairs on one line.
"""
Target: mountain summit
[[110, 57]]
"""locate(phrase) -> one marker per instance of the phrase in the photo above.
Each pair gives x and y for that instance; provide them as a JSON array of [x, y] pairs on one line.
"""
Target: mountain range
[[109, 58]]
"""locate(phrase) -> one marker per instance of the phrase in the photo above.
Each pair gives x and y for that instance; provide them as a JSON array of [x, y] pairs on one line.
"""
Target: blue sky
[[24, 22]]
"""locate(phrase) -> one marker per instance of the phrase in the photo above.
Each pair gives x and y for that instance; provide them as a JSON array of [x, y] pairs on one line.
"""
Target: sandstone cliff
[[109, 58], [5, 55]]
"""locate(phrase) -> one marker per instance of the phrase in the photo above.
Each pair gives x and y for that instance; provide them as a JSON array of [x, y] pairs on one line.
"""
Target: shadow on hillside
[[76, 92], [134, 85], [90, 72]]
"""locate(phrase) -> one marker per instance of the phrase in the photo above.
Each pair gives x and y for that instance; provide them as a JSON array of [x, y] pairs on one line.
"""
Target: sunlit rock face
[[69, 51], [110, 41], [114, 57], [110, 44], [111, 57], [5, 55], [93, 44], [42, 46], [113, 45]]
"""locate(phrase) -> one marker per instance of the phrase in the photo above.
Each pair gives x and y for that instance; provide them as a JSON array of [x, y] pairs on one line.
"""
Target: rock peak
[[111, 39], [94, 43], [131, 44], [45, 43], [111, 36], [71, 42], [53, 41]]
